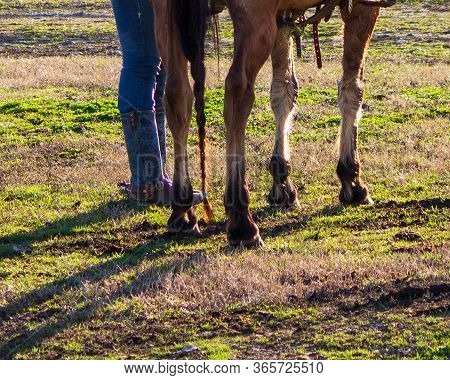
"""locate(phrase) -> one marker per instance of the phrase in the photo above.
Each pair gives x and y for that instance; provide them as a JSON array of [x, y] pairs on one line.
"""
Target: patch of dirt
[[408, 236], [399, 38], [76, 6], [71, 13], [399, 294], [23, 43], [409, 293], [419, 248], [436, 7], [438, 203], [19, 46], [401, 214], [252, 333]]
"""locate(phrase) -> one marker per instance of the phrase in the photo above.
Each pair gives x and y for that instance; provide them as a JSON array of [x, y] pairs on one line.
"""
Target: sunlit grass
[[84, 273]]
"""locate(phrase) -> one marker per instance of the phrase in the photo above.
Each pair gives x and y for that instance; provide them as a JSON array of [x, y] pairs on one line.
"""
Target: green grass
[[54, 32], [61, 113], [51, 4], [86, 274], [55, 114]]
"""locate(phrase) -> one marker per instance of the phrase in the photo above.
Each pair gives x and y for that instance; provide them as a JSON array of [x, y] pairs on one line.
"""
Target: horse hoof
[[185, 223], [244, 234], [357, 194], [241, 245], [283, 196]]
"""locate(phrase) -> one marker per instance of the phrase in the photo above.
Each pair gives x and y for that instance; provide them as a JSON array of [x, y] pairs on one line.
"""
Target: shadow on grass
[[295, 222], [53, 324], [150, 280], [113, 210], [158, 245]]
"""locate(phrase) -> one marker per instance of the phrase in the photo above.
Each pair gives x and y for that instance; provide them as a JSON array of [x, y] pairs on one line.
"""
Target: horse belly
[[298, 4]]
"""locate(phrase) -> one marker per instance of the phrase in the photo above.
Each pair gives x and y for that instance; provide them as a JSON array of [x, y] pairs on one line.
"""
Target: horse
[[260, 32]]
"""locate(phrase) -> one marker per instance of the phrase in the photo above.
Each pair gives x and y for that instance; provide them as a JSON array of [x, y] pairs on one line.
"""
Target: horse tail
[[191, 19]]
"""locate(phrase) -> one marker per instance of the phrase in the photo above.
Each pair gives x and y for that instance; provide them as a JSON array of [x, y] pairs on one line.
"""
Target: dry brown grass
[[81, 72], [100, 162], [96, 268], [203, 283], [103, 72]]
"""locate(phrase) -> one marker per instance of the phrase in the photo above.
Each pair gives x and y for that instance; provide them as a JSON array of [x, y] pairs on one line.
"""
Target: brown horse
[[259, 32]]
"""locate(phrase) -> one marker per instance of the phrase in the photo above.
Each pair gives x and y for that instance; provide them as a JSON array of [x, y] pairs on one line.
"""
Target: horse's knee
[[178, 102], [351, 94], [283, 95]]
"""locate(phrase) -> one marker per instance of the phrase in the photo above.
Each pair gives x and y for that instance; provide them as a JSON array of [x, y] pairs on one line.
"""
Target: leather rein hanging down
[[297, 22]]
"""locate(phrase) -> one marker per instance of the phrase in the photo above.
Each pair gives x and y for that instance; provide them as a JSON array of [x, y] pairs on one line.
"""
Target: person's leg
[[141, 65]]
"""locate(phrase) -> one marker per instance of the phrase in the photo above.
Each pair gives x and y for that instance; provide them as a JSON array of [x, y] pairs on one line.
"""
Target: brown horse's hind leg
[[358, 31], [179, 100], [283, 95], [254, 39]]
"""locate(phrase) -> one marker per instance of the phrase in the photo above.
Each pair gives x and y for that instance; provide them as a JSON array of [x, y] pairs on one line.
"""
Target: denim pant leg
[[141, 66]]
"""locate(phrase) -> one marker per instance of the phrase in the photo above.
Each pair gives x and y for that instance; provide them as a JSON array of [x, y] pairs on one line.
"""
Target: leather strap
[[317, 44]]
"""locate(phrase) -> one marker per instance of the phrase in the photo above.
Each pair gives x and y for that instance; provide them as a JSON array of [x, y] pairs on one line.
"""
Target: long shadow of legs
[[131, 257], [94, 273], [297, 221], [64, 227], [149, 280]]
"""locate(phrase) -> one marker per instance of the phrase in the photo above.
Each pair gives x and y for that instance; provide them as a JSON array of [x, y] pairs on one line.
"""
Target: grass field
[[85, 274]]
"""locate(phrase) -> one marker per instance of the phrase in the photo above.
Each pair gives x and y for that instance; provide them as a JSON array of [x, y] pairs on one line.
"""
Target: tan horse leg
[[283, 95], [358, 31], [179, 101], [255, 34]]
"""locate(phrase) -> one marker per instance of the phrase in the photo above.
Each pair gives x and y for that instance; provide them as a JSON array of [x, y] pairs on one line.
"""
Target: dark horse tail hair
[[191, 21]]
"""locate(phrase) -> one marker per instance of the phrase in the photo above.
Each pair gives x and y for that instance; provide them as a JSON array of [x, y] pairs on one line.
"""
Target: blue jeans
[[141, 91]]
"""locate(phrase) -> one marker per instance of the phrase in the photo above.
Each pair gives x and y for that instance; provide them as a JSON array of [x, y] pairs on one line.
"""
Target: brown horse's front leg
[[359, 26], [254, 40]]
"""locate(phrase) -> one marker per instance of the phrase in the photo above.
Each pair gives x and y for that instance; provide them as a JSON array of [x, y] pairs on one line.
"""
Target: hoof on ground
[[241, 245], [244, 234], [283, 196], [355, 195], [186, 223]]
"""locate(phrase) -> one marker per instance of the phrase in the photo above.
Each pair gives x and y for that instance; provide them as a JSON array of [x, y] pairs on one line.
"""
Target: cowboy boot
[[148, 183]]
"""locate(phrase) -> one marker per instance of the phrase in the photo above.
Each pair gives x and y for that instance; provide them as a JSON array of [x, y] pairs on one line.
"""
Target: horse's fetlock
[[280, 169]]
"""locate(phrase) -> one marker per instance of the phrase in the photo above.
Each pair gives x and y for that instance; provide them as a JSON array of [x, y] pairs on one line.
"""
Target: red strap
[[317, 45]]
